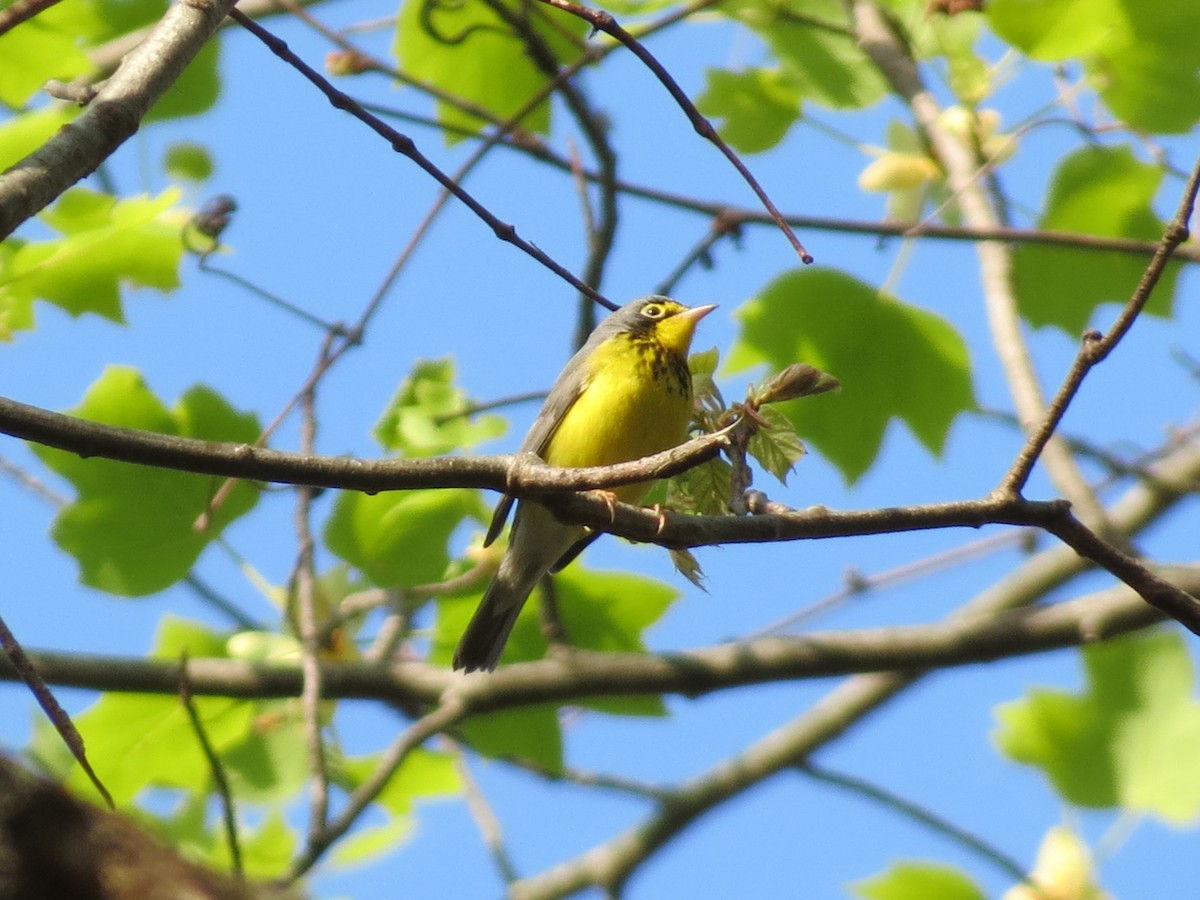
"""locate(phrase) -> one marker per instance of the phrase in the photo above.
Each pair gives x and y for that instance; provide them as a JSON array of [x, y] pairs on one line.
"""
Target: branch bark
[[113, 116]]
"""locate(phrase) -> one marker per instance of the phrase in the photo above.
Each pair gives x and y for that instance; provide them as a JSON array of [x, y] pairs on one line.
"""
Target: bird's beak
[[696, 313]]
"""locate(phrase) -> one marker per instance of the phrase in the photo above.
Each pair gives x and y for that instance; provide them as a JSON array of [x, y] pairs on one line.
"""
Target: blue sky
[[325, 206]]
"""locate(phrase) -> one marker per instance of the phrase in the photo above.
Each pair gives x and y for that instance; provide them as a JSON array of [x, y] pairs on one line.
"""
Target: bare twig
[[141, 79], [304, 590], [1097, 347], [925, 817], [405, 146], [485, 817], [22, 11], [604, 21], [228, 812], [444, 716], [24, 669]]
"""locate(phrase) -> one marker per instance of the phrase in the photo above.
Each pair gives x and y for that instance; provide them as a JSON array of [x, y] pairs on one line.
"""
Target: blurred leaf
[[1129, 741], [426, 416], [776, 447], [188, 161], [106, 243], [40, 49], [266, 850], [117, 17], [893, 360], [195, 91], [1102, 191], [23, 134], [918, 881], [366, 843], [424, 774], [1064, 869], [817, 50], [1142, 57], [954, 38], [758, 106], [176, 636], [530, 733], [399, 537], [269, 765], [132, 529], [460, 48], [139, 741]]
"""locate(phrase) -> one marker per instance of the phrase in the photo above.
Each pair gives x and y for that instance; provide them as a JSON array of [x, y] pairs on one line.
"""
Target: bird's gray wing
[[570, 384]]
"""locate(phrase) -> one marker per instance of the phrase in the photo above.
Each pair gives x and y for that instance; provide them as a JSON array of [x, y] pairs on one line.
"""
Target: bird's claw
[[610, 501]]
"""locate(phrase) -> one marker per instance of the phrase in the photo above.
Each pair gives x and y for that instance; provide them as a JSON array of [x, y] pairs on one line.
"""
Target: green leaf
[[918, 881], [188, 161], [23, 134], [40, 49], [424, 774], [702, 490], [1142, 57], [267, 850], [776, 447], [427, 416], [530, 733], [461, 47], [816, 49], [758, 106], [106, 243], [365, 844], [177, 636], [195, 91], [1103, 191], [1130, 740], [915, 368], [269, 765], [132, 529], [139, 741], [399, 537]]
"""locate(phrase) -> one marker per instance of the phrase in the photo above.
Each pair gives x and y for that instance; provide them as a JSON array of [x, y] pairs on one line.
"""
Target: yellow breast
[[636, 401]]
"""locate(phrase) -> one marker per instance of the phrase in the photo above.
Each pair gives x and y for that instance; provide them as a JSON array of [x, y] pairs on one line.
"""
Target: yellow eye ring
[[653, 311]]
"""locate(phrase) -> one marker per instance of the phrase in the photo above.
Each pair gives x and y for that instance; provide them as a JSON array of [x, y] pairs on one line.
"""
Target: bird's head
[[668, 321]]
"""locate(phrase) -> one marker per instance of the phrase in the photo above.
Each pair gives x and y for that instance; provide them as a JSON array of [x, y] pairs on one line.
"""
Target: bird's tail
[[488, 631]]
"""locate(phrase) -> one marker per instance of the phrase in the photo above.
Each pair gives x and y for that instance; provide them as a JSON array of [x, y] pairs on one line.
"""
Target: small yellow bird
[[626, 394]]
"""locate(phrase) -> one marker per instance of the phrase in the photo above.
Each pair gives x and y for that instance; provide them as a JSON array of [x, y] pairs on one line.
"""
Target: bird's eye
[[653, 311]]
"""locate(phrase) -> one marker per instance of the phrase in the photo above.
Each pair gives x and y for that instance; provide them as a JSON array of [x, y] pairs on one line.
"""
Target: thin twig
[[228, 811], [722, 226], [287, 306], [604, 21], [22, 11], [305, 593], [928, 818], [1096, 347], [59, 718], [405, 146], [893, 57], [485, 817], [449, 713]]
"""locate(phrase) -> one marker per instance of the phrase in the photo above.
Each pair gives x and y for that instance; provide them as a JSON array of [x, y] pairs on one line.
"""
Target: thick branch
[[113, 116], [578, 675]]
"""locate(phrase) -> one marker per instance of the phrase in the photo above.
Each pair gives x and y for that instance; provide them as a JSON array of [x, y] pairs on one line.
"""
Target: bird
[[627, 393]]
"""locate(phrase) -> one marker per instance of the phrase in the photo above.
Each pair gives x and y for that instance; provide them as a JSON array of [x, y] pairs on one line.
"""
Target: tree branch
[[579, 674], [113, 116]]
